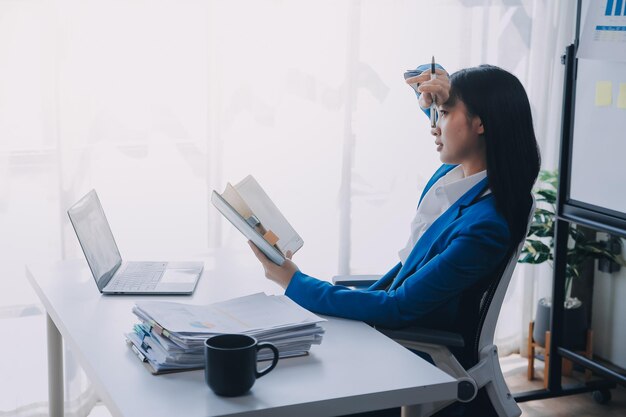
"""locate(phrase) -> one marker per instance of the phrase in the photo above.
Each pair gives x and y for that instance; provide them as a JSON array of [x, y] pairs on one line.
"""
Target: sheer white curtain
[[552, 29], [155, 103]]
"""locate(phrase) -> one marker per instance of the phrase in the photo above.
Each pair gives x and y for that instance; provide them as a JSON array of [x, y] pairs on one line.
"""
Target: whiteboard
[[598, 168]]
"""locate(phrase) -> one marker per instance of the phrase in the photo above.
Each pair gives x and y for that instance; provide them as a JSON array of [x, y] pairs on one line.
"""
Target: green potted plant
[[538, 248]]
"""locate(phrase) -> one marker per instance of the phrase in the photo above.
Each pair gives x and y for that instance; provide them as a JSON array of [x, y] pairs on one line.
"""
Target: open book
[[251, 211]]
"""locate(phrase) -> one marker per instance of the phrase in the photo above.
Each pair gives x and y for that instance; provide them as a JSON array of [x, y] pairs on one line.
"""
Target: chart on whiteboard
[[604, 31]]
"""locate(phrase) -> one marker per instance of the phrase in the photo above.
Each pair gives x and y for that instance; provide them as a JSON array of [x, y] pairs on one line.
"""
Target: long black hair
[[513, 160]]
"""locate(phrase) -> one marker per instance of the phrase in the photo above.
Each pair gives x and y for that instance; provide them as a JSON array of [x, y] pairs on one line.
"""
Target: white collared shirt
[[443, 193]]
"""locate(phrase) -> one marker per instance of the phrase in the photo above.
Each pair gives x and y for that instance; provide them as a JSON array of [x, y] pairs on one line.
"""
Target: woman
[[472, 212]]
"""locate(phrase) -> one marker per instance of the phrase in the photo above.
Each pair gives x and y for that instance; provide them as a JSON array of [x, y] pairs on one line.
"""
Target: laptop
[[114, 276]]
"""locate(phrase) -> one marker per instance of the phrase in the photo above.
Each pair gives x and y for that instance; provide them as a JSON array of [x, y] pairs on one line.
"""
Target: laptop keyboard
[[138, 276]]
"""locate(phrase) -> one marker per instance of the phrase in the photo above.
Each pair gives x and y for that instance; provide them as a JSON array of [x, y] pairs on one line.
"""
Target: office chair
[[470, 356]]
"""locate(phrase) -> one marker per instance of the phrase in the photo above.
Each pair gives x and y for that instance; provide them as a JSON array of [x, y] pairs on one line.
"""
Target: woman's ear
[[478, 126]]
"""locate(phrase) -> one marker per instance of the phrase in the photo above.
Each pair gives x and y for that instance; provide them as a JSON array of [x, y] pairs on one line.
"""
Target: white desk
[[355, 368]]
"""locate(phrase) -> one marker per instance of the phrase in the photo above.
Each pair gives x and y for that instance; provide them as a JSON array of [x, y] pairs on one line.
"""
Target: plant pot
[[574, 326]]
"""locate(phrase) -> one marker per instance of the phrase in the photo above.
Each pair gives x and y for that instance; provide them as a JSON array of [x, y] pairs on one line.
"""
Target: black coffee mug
[[230, 363]]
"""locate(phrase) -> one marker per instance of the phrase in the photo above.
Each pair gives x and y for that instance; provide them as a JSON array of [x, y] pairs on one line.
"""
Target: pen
[[433, 105]]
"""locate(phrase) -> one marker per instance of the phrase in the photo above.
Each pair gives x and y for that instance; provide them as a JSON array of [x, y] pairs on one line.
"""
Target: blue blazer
[[463, 247]]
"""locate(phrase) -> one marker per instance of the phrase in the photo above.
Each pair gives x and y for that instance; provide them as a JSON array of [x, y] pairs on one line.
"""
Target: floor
[[514, 369]]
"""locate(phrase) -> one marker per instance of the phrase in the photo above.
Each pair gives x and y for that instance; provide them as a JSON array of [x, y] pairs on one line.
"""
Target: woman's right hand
[[439, 88], [279, 274]]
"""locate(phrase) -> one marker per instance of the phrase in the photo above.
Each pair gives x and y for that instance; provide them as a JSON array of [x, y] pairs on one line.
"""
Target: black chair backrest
[[477, 301]]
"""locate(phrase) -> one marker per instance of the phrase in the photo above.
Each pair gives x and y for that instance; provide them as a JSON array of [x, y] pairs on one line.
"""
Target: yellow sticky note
[[603, 93], [621, 98]]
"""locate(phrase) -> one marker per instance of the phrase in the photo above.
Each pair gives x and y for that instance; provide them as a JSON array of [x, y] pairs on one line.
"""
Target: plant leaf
[[577, 235], [548, 196], [549, 177], [535, 252]]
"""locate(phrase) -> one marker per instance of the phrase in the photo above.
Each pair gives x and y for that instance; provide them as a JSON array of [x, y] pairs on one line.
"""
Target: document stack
[[170, 336]]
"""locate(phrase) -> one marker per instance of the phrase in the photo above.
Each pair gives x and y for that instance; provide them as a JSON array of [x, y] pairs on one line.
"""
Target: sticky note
[[270, 237], [603, 93], [621, 98]]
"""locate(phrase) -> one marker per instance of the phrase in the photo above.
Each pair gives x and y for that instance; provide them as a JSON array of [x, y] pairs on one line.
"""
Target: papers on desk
[[170, 336]]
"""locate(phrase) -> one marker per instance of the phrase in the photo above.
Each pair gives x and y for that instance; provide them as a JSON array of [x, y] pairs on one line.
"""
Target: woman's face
[[458, 136]]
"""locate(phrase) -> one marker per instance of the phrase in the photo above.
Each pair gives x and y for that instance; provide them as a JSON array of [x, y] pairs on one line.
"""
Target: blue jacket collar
[[467, 198], [423, 245], [443, 170]]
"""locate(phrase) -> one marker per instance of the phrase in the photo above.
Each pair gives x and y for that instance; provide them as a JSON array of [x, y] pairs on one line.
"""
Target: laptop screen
[[95, 237]]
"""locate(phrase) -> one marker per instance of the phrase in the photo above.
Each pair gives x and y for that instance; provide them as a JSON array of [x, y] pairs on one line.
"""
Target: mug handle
[[265, 371]]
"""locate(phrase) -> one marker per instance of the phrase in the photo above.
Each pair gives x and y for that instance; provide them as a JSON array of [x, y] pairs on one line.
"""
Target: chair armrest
[[424, 335], [355, 280]]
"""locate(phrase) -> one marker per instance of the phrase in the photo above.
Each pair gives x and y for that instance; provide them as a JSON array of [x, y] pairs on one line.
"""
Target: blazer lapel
[[426, 240]]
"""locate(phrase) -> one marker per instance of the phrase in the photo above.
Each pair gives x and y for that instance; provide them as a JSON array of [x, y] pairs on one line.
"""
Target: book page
[[269, 215], [271, 251], [233, 198]]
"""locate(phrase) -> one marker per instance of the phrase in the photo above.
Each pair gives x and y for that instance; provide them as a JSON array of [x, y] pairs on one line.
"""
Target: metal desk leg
[[55, 369], [417, 410]]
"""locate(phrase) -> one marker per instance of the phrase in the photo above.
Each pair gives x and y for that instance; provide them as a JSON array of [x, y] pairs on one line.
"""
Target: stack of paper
[[170, 336]]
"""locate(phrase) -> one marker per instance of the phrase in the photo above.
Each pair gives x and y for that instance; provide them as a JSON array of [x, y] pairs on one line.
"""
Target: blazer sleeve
[[386, 280], [472, 254]]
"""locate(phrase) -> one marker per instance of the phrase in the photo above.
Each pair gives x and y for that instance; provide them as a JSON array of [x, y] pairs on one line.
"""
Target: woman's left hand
[[280, 274], [439, 88]]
